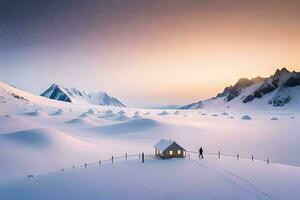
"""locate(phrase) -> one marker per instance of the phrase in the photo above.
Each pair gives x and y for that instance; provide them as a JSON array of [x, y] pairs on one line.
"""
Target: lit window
[[178, 152], [171, 152]]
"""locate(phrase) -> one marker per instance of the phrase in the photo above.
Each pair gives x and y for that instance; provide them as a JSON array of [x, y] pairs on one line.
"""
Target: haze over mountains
[[278, 91], [74, 95], [282, 89]]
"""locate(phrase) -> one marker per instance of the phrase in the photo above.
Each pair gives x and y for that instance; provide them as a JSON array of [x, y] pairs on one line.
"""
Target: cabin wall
[[174, 154], [159, 153]]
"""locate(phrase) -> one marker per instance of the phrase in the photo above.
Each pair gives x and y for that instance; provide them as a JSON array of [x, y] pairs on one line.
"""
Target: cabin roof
[[163, 144]]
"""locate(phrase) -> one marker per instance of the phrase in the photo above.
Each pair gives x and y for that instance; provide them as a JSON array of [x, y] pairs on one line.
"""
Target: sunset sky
[[146, 52]]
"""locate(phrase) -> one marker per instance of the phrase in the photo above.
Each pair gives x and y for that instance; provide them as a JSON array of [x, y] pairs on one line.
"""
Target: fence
[[142, 156], [237, 156]]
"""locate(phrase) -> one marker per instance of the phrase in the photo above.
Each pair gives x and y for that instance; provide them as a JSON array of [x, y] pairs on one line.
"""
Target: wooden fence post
[[143, 157], [268, 160], [112, 159], [125, 156], [62, 169], [73, 167], [99, 162], [252, 158], [219, 154], [85, 165], [237, 156]]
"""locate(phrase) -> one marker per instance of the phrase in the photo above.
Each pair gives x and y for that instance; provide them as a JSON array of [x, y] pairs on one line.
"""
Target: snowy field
[[38, 135], [168, 179]]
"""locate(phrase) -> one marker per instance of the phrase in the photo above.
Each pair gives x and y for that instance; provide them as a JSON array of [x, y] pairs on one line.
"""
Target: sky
[[146, 53]]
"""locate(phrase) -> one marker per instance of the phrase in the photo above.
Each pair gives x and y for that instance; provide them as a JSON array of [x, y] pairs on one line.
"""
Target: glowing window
[[178, 152], [171, 152]]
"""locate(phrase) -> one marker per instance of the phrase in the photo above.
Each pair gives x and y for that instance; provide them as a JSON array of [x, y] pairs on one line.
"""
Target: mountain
[[10, 95], [282, 89], [73, 95]]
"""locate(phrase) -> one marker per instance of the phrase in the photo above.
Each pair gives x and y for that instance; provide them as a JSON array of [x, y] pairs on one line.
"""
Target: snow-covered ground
[[38, 135], [210, 178]]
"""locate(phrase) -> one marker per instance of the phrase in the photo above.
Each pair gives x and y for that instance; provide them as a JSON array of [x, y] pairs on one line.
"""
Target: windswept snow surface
[[38, 135], [210, 178]]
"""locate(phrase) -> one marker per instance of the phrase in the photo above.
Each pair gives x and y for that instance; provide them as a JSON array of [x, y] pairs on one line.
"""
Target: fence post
[[62, 169], [252, 158], [143, 157], [237, 156], [85, 165], [112, 159], [268, 160], [125, 156], [99, 162], [219, 154], [73, 167]]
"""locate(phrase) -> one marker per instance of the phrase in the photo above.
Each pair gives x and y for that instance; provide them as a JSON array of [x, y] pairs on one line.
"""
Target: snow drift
[[37, 113], [82, 122], [246, 117], [163, 113], [132, 126], [58, 112]]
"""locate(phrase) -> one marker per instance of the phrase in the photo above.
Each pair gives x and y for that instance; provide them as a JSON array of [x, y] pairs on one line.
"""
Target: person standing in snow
[[201, 153]]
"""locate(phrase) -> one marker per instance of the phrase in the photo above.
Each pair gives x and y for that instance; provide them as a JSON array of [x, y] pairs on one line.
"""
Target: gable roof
[[163, 144]]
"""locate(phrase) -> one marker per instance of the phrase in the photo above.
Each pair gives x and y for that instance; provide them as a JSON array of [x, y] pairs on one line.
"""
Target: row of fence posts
[[237, 156], [141, 156]]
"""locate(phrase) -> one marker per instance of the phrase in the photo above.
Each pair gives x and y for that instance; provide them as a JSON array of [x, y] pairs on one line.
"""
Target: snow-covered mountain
[[74, 95], [282, 89]]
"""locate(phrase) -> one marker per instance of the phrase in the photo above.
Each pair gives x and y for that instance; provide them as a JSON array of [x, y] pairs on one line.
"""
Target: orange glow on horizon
[[180, 54]]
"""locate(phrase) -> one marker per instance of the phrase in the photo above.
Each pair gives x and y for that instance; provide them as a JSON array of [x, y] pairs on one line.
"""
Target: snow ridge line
[[237, 180]]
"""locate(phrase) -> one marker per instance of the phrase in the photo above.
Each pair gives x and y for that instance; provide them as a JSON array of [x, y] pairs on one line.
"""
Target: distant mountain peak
[[278, 90], [282, 70], [61, 93]]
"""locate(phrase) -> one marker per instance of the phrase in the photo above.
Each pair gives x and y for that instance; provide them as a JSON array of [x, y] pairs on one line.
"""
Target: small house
[[169, 149]]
